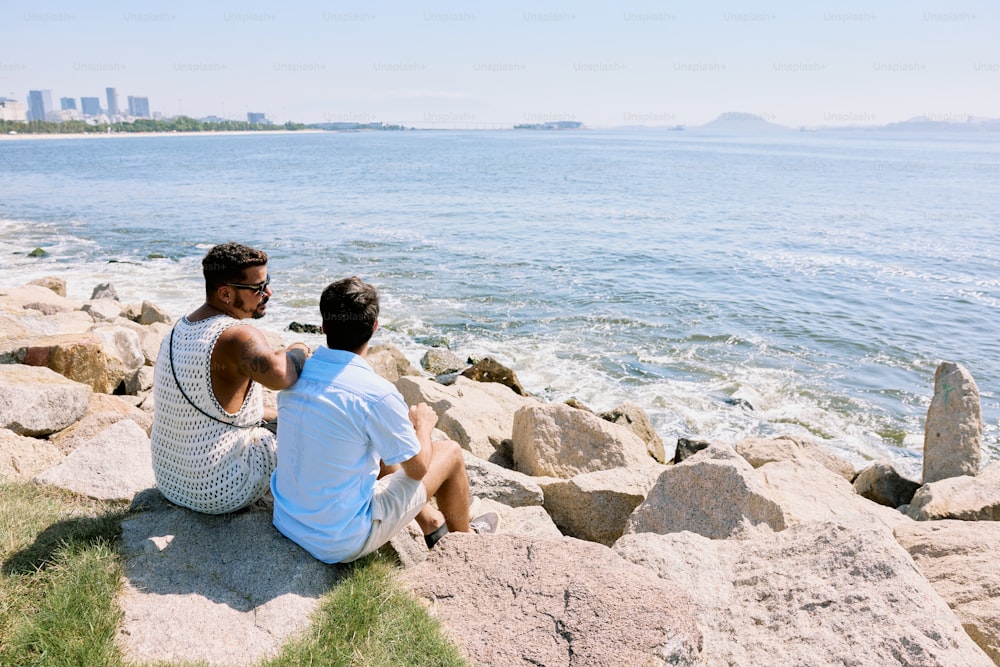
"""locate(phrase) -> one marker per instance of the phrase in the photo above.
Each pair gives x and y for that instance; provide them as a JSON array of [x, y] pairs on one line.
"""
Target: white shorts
[[398, 499]]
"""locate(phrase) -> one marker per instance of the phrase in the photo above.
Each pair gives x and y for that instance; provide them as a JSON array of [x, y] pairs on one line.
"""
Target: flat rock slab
[[115, 464], [215, 589], [510, 600]]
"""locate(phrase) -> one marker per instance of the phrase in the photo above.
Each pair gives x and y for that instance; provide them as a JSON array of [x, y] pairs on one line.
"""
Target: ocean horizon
[[733, 286]]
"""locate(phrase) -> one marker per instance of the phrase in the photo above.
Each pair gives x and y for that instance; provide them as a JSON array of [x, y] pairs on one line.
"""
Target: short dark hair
[[226, 262], [349, 308]]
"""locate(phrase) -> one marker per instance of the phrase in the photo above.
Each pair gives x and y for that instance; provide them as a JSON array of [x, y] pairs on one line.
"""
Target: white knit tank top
[[201, 463]]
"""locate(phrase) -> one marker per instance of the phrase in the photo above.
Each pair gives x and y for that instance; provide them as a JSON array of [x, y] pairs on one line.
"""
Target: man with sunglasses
[[213, 447]]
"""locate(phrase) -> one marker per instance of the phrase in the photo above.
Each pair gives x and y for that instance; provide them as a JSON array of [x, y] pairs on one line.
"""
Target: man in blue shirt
[[356, 464]]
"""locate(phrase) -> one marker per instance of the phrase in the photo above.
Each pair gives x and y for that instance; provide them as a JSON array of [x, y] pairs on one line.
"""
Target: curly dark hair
[[349, 308], [225, 264]]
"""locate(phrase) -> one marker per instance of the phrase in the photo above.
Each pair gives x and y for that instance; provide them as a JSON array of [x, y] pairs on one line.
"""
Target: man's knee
[[449, 453]]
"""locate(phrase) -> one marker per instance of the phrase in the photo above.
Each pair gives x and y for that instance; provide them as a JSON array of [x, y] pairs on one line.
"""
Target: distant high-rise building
[[257, 118], [12, 110], [39, 104], [112, 101], [67, 103], [91, 106], [138, 107]]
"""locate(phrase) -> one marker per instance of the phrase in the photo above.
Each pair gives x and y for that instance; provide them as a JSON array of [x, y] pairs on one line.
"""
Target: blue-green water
[[819, 276]]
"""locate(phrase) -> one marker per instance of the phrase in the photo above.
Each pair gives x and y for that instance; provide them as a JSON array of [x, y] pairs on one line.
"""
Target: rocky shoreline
[[752, 552]]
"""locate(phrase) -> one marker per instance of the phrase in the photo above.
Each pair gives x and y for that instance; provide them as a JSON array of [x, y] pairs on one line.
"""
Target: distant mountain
[[931, 124], [738, 122]]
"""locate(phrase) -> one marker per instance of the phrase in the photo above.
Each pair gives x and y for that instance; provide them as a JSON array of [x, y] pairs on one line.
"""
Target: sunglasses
[[259, 289]]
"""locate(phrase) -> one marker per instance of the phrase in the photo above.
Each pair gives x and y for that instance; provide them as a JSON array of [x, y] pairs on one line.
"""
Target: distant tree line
[[178, 124]]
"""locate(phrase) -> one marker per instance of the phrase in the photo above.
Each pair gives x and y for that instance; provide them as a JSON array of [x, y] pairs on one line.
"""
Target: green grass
[[60, 570]]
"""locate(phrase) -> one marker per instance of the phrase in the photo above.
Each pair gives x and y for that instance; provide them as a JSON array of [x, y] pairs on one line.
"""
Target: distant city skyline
[[638, 63]]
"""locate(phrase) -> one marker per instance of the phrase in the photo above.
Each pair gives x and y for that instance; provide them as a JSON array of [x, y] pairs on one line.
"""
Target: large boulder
[[959, 559], [830, 593], [102, 412], [151, 336], [760, 451], [714, 493], [410, 548], [966, 498], [389, 362], [102, 310], [808, 491], [23, 458], [35, 297], [152, 314], [508, 600], [54, 283], [636, 420], [557, 440], [717, 494], [124, 354], [78, 357], [115, 464], [954, 429], [880, 483], [479, 416], [488, 480], [39, 401], [491, 370], [440, 360], [596, 506], [217, 589]]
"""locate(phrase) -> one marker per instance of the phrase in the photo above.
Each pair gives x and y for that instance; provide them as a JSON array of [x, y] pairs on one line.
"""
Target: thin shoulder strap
[[188, 399]]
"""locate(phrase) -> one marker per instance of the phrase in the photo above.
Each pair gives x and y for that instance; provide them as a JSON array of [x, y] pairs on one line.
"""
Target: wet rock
[[490, 370]]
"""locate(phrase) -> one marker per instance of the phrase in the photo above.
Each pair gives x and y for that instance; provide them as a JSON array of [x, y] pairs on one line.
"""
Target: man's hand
[[423, 418]]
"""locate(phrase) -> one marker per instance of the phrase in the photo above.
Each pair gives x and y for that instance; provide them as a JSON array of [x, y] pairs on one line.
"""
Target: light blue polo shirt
[[335, 424]]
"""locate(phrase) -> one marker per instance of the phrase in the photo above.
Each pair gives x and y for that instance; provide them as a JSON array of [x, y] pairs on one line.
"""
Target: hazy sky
[[482, 64]]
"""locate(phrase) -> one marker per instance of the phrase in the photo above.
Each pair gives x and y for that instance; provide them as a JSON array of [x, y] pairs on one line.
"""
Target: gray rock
[[102, 310], [686, 448], [54, 283], [479, 416], [219, 589], [139, 381], [488, 480], [596, 506], [104, 291], [954, 430], [531, 521], [760, 451], [389, 362], [966, 498], [714, 493], [102, 412], [151, 314], [958, 558], [831, 593], [510, 600], [115, 464], [557, 440], [438, 361], [881, 483], [38, 401], [491, 370], [123, 353], [636, 420], [78, 357], [23, 458]]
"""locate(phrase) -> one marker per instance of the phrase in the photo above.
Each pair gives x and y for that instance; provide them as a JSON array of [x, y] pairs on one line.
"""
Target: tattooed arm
[[243, 353]]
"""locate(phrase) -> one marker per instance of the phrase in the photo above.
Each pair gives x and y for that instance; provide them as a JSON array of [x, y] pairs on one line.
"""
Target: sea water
[[819, 277]]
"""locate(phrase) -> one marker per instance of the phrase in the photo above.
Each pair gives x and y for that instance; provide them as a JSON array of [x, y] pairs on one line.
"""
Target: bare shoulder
[[248, 347]]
